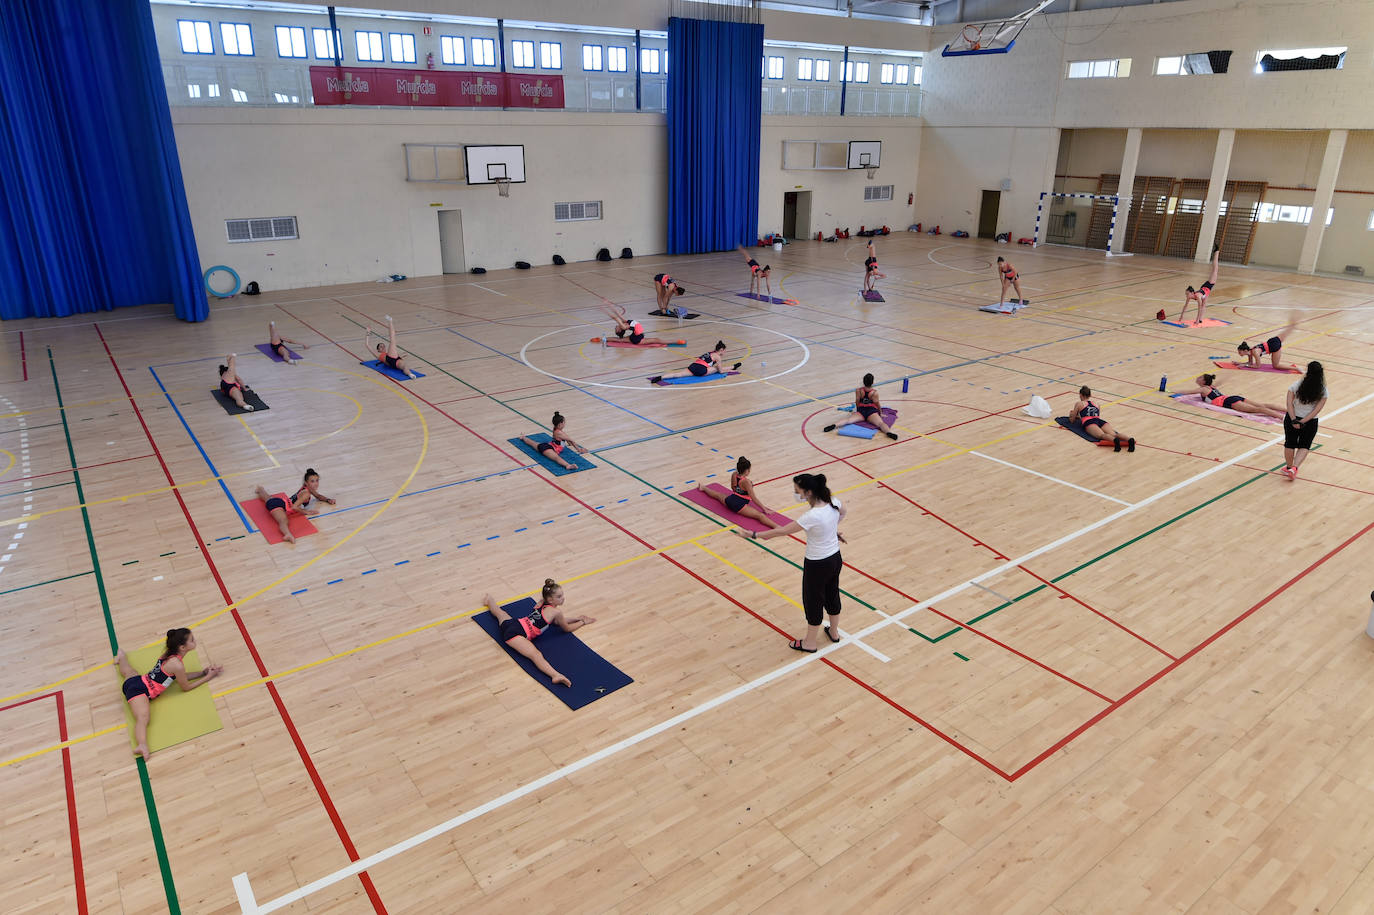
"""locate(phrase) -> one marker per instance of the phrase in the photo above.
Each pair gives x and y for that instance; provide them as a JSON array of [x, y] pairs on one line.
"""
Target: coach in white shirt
[[821, 568]]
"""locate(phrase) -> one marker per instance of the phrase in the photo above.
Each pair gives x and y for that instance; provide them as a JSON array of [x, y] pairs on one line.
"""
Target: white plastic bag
[[1038, 407]]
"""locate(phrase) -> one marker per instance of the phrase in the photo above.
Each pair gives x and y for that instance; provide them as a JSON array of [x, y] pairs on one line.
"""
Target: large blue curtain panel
[[93, 212], [714, 112]]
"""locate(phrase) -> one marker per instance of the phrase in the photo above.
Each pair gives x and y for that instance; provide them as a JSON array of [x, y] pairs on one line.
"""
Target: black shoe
[[1117, 442], [656, 379], [736, 366], [892, 435], [1130, 445], [829, 428], [1216, 248]]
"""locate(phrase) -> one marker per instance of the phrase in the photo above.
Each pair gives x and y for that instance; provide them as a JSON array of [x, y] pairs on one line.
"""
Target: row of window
[[817, 69], [236, 39], [1213, 62]]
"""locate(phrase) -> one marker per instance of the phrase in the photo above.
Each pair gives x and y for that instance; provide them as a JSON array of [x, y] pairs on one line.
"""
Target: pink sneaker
[[1290, 472]]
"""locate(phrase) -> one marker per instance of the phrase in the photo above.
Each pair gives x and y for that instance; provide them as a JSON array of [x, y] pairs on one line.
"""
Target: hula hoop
[[222, 295]]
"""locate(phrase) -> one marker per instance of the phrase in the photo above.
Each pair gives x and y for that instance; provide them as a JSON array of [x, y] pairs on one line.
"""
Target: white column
[[1321, 201], [1221, 167], [1129, 160]]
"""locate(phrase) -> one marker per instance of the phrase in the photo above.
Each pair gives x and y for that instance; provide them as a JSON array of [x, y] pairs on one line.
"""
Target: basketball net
[[503, 186], [872, 172]]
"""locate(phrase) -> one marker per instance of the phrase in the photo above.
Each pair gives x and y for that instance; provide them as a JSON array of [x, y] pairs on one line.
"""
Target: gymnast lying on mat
[[520, 632], [703, 365], [1086, 413]]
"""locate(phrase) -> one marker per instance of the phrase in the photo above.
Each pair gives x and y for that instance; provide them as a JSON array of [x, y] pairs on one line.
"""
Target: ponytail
[[1085, 392], [557, 420], [551, 588], [814, 485], [223, 369], [742, 465], [176, 638]]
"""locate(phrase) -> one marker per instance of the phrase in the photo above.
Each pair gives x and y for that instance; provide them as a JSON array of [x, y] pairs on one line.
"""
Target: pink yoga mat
[[700, 498], [1262, 368], [1196, 400], [1205, 322]]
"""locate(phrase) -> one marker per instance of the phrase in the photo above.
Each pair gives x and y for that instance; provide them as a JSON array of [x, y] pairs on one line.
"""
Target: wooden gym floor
[[1085, 682]]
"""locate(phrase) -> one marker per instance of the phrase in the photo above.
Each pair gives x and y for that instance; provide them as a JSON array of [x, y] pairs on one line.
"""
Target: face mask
[[796, 496]]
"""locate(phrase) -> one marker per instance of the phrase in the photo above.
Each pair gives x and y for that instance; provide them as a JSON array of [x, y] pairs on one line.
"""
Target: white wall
[[975, 106], [837, 197]]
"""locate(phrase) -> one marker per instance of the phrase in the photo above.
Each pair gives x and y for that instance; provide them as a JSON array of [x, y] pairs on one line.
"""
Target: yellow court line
[[270, 456], [10, 465], [133, 495], [66, 743], [755, 579], [356, 416], [424, 450]]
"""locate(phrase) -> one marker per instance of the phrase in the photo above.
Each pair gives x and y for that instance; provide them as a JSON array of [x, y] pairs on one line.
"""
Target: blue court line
[[369, 571], [561, 381], [435, 553], [209, 463], [485, 476], [334, 582], [301, 591]]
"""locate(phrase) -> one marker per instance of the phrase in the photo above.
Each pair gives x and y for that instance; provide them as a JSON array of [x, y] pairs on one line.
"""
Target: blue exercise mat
[[388, 371], [854, 430], [558, 470], [696, 379], [592, 676], [1078, 430]]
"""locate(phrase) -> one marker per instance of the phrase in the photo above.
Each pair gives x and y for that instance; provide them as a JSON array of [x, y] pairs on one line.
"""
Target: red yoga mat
[[749, 524], [256, 510]]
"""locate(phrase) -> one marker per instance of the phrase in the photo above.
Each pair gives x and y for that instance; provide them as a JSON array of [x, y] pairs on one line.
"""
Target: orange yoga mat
[[256, 509]]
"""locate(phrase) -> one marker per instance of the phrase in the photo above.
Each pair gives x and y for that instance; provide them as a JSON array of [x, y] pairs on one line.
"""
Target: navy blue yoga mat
[[1078, 430], [592, 676], [558, 470], [389, 371]]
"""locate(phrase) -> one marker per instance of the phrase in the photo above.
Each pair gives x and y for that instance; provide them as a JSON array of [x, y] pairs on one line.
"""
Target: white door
[[451, 241]]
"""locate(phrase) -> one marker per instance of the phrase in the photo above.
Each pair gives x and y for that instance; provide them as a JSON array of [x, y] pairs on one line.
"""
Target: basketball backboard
[[993, 36], [494, 164]]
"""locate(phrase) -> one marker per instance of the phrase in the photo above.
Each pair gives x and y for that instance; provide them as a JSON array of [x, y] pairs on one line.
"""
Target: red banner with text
[[433, 88]]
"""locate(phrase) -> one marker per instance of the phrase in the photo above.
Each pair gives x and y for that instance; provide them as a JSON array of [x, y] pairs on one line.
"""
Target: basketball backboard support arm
[[993, 36]]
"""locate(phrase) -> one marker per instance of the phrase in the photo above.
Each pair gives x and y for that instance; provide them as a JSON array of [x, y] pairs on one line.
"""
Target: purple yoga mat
[[888, 414], [700, 498], [266, 350]]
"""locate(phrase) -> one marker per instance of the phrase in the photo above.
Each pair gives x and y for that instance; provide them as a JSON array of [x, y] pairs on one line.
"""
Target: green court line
[[22, 492], [960, 657], [173, 906], [50, 581]]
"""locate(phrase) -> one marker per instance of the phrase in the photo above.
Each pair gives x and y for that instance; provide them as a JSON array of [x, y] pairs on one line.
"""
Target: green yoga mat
[[176, 716]]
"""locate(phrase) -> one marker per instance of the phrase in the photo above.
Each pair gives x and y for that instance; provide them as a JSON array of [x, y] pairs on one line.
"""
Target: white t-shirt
[[1300, 408], [821, 523]]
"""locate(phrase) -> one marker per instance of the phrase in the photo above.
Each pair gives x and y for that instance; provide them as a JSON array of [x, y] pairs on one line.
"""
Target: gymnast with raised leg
[[665, 287], [299, 503], [1009, 278], [758, 276], [871, 268], [387, 353], [1213, 396], [624, 326], [231, 385], [1268, 348], [142, 689], [519, 633], [703, 365], [553, 450], [741, 499], [867, 409], [278, 343], [1087, 414], [1200, 294]]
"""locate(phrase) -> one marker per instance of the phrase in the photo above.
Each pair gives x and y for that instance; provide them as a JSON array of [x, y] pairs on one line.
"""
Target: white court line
[[1036, 473], [480, 286], [871, 650], [243, 888], [1001, 597]]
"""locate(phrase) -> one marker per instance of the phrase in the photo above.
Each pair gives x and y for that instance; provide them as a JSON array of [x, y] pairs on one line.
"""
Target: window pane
[[616, 59], [885, 73], [1079, 69], [1168, 66], [451, 49], [861, 72], [648, 60], [188, 36], [903, 74], [522, 54], [551, 55], [1121, 68], [237, 38], [324, 43], [823, 71], [916, 75], [804, 68], [591, 57]]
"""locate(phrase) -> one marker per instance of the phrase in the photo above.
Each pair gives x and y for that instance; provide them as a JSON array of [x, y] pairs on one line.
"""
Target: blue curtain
[[714, 109], [93, 213]]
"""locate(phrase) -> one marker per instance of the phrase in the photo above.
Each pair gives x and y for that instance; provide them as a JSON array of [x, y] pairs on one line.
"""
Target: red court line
[[320, 789], [23, 356], [1064, 741], [78, 870], [84, 467]]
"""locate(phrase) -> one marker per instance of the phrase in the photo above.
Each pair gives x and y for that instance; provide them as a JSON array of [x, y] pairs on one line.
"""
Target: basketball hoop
[[972, 33], [872, 172], [503, 186]]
